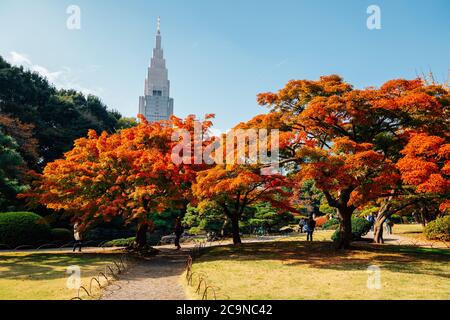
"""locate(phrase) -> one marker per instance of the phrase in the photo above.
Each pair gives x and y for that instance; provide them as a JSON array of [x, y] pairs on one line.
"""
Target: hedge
[[360, 227], [23, 228]]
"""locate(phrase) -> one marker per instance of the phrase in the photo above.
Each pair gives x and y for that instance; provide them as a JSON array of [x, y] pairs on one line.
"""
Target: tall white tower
[[156, 104]]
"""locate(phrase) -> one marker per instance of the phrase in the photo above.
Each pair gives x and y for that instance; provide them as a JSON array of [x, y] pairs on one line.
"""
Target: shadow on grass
[[48, 266], [323, 255]]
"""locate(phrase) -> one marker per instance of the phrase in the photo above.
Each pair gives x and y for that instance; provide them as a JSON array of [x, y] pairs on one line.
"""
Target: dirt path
[[396, 239], [156, 278]]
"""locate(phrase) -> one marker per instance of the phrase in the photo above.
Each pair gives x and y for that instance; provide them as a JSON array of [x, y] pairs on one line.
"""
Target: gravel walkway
[[156, 278], [396, 239]]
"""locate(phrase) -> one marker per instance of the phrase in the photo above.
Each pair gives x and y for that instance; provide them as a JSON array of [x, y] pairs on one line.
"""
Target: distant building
[[156, 104]]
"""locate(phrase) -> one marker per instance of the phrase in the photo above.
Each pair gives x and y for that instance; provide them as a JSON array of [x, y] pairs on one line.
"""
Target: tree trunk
[[225, 232], [345, 228], [141, 235], [383, 214], [423, 214], [378, 229], [345, 212], [235, 229]]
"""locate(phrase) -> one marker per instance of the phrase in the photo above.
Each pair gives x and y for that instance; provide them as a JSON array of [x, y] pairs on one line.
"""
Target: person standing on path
[[310, 227], [77, 235], [371, 219], [178, 232], [389, 225], [302, 224]]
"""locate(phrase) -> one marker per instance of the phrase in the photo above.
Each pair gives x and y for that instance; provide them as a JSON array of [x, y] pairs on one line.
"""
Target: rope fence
[[199, 280], [104, 280]]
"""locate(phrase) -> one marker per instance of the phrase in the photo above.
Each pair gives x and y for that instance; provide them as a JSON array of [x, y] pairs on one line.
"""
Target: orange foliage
[[350, 139], [129, 173], [426, 165], [234, 184]]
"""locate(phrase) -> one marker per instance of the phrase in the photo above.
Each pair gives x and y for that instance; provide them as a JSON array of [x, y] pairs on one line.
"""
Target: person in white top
[[77, 235]]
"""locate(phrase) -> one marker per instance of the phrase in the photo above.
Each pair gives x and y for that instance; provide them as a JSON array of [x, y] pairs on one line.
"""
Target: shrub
[[360, 227], [120, 242], [331, 224], [438, 229], [61, 234], [395, 218], [23, 228]]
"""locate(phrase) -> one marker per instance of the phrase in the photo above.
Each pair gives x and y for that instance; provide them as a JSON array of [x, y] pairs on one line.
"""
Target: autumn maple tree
[[233, 188], [424, 134], [348, 140], [241, 178], [129, 174], [425, 183]]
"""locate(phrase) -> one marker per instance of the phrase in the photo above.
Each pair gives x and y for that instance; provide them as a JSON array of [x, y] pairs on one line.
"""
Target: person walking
[[178, 232], [77, 236], [302, 224], [310, 227], [371, 219], [389, 225]]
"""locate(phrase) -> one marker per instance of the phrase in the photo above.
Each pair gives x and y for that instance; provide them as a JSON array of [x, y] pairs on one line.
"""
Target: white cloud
[[53, 77], [19, 59], [62, 79]]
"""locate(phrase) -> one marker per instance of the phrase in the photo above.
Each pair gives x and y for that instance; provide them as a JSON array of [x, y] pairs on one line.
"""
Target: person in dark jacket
[[178, 232], [310, 228], [371, 219], [302, 225]]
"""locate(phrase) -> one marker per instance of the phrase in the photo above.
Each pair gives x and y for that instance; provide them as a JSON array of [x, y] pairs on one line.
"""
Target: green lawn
[[294, 269], [42, 276], [414, 231]]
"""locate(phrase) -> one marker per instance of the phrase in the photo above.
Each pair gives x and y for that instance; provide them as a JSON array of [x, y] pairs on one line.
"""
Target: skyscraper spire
[[158, 36], [159, 25]]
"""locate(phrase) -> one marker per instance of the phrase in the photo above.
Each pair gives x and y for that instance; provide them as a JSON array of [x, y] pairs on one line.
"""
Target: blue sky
[[220, 54]]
